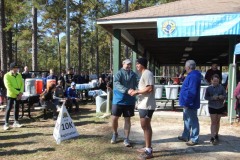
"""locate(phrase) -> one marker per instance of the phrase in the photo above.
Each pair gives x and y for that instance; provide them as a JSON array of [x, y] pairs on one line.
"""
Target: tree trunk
[[59, 54], [34, 39], [126, 5], [10, 55], [79, 47], [97, 49], [16, 44], [3, 38], [67, 35], [97, 53]]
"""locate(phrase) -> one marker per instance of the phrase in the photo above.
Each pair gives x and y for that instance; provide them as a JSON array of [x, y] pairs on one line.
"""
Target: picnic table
[[28, 99]]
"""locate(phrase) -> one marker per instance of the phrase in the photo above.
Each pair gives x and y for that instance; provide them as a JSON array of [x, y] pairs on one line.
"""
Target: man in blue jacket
[[72, 98], [189, 99], [123, 103]]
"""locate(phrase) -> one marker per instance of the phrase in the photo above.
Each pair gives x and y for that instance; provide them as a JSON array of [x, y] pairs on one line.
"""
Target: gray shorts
[[144, 113]]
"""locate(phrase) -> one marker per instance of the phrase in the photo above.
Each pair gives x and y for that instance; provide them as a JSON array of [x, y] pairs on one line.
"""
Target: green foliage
[[51, 26]]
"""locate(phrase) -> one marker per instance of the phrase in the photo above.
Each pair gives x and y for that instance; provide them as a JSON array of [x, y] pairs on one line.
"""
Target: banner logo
[[168, 27], [65, 115]]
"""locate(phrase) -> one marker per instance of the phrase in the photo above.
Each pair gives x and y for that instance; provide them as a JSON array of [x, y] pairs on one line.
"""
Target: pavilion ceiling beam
[[140, 48], [127, 36]]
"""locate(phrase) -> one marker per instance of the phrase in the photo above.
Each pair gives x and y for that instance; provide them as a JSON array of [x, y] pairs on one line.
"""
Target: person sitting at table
[[81, 80], [58, 93], [72, 98], [102, 85], [46, 98], [69, 78]]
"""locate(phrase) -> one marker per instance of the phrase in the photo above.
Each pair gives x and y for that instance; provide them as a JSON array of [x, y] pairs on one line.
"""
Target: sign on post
[[64, 127]]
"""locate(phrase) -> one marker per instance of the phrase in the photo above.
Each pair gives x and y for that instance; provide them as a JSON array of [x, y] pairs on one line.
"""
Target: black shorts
[[125, 110], [216, 111], [144, 113]]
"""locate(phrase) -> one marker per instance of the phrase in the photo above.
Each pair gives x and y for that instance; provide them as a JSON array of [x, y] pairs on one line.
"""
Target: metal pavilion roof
[[141, 25]]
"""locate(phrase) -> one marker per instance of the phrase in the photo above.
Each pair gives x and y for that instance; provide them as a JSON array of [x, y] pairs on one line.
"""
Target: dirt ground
[[35, 139], [167, 146]]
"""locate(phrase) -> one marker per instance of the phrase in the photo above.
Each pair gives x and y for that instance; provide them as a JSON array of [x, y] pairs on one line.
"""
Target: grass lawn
[[35, 140]]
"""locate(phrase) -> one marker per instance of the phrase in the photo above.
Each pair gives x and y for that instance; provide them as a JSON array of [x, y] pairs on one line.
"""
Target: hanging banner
[[201, 25], [237, 49]]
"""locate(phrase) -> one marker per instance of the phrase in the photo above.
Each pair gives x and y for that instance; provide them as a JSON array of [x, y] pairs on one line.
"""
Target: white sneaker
[[6, 127], [58, 109], [17, 125]]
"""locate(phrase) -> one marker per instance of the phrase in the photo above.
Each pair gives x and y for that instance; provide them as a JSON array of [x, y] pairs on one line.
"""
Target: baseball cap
[[13, 65], [127, 61], [73, 84]]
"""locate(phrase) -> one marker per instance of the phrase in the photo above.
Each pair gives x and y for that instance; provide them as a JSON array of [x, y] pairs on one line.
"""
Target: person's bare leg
[[218, 123], [147, 129], [115, 124], [127, 126], [213, 124]]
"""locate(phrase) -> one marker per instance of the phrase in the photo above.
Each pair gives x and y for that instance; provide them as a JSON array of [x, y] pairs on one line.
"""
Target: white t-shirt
[[146, 101]]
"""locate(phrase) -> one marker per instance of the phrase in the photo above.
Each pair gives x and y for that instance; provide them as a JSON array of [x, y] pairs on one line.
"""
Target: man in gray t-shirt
[[146, 105]]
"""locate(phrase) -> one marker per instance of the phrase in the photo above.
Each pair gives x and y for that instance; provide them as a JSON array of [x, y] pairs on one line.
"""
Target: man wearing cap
[[123, 104], [146, 105], [14, 85], [72, 98]]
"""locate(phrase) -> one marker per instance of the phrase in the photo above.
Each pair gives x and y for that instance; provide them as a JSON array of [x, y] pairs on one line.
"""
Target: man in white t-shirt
[[146, 105]]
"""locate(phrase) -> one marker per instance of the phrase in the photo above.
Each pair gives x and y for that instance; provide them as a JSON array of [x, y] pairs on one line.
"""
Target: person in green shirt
[[14, 84]]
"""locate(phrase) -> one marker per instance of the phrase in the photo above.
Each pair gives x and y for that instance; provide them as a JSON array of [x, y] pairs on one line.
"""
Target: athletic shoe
[[126, 143], [216, 137], [6, 127], [141, 150], [212, 140], [114, 138], [58, 108], [182, 139], [191, 143], [16, 124], [145, 155]]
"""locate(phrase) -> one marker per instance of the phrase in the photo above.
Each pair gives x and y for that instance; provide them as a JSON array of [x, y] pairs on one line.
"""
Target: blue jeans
[[190, 123]]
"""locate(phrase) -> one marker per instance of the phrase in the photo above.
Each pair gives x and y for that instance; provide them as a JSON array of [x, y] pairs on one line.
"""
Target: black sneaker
[[182, 139], [213, 141], [216, 137]]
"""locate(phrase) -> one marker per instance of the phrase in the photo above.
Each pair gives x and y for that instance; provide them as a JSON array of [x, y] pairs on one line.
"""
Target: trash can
[[30, 86], [158, 91], [171, 91], [101, 103]]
